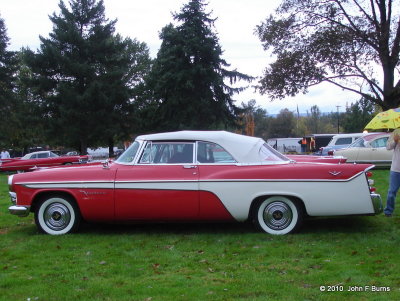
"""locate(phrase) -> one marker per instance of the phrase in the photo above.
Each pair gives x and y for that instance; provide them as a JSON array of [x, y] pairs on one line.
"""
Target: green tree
[[27, 126], [262, 122], [283, 126], [357, 116], [353, 45], [332, 123], [7, 83], [301, 128], [314, 120], [259, 116], [84, 76], [189, 76]]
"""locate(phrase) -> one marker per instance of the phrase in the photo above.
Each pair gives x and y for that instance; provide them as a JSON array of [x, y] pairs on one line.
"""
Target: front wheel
[[278, 215], [57, 215]]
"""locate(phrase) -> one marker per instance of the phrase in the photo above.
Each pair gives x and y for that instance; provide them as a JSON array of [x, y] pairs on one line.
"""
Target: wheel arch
[[45, 194], [257, 201]]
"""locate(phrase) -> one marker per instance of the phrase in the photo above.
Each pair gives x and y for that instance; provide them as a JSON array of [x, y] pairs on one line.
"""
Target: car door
[[162, 185], [213, 162], [357, 151], [378, 151], [362, 154], [46, 159], [31, 162]]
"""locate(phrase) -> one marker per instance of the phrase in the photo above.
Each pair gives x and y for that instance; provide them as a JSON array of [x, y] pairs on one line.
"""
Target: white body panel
[[328, 198]]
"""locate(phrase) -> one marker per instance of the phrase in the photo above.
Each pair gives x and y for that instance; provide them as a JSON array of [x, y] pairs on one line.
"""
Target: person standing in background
[[303, 143], [394, 180], [5, 154], [312, 144]]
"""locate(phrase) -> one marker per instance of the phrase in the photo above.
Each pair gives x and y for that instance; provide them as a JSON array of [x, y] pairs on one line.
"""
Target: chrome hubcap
[[277, 215], [57, 216]]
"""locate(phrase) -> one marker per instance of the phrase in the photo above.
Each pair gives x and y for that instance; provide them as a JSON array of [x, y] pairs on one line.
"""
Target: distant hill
[[303, 114]]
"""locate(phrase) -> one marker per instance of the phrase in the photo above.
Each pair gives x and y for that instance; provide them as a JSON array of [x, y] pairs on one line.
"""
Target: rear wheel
[[278, 215], [57, 215]]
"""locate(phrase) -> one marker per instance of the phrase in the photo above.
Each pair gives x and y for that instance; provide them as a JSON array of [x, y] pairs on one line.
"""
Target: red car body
[[225, 177], [39, 159]]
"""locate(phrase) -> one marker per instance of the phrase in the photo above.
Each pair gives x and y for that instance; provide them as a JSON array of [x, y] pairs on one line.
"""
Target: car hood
[[78, 173]]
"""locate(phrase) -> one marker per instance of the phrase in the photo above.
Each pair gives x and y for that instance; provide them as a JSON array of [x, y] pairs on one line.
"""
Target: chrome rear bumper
[[377, 203]]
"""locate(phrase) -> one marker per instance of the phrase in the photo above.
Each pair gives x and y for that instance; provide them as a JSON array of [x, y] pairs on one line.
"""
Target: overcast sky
[[236, 20]]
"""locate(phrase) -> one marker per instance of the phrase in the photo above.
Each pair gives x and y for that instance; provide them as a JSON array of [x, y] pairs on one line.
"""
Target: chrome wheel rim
[[57, 216], [277, 215]]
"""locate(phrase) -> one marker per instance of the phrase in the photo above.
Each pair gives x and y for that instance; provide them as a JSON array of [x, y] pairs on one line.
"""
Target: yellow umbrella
[[386, 120]]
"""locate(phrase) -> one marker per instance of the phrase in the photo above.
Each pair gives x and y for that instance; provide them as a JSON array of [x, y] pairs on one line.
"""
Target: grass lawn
[[356, 258]]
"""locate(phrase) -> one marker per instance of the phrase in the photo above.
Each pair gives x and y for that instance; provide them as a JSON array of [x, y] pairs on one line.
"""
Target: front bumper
[[377, 203], [20, 211]]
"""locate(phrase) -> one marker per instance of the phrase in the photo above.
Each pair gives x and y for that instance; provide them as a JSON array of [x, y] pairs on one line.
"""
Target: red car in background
[[35, 160]]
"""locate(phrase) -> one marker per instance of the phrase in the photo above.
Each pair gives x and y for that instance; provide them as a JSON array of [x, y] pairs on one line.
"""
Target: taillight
[[370, 182]]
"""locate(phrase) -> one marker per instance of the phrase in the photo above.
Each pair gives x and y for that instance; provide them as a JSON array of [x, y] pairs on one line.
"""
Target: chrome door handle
[[189, 166]]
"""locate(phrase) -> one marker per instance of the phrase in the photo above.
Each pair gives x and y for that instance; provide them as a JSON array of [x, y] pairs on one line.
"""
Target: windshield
[[268, 154], [128, 155], [27, 156], [360, 142]]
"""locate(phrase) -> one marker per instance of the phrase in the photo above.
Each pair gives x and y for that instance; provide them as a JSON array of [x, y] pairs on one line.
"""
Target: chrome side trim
[[377, 203], [120, 184], [21, 211], [76, 185]]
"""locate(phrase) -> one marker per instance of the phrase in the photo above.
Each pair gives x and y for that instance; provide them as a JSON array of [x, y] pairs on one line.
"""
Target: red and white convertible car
[[39, 159], [193, 176]]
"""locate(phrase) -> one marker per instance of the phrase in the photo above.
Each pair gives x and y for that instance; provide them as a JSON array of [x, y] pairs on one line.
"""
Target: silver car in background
[[370, 148]]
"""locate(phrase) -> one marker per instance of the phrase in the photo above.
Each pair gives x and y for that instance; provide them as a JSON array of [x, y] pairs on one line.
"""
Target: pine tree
[[7, 81], [85, 75], [189, 76]]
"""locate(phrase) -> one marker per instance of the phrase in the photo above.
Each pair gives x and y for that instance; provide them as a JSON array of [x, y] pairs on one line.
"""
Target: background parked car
[[40, 159], [370, 148], [340, 141], [285, 145], [321, 140], [72, 153]]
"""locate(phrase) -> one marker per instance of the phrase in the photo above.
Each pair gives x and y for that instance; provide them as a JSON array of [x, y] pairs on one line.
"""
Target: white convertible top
[[244, 149]]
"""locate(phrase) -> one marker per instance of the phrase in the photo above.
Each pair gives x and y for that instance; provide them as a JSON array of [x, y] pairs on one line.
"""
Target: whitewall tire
[[57, 215], [278, 215]]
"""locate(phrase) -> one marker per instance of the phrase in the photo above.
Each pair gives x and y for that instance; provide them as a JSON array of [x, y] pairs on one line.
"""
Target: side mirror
[[106, 164]]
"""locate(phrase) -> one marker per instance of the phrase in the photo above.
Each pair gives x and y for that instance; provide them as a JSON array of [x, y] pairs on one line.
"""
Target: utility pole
[[338, 123]]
